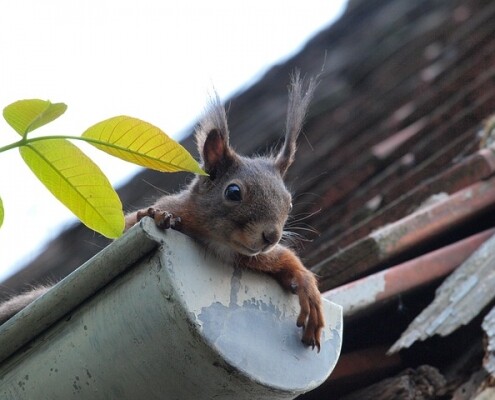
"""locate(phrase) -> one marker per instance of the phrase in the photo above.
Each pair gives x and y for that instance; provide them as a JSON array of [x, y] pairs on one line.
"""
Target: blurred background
[[393, 182]]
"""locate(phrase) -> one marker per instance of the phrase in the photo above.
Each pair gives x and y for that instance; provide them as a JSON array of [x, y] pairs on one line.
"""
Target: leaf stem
[[19, 143], [26, 141]]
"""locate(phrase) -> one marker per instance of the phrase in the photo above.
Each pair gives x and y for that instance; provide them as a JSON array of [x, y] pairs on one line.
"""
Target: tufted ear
[[300, 96], [216, 154], [212, 137]]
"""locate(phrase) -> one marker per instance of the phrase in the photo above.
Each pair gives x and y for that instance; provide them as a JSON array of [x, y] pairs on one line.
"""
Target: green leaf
[[141, 143], [27, 115], [1, 212], [77, 182]]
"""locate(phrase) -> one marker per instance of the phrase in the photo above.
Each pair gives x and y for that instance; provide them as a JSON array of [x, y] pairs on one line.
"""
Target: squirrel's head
[[246, 199]]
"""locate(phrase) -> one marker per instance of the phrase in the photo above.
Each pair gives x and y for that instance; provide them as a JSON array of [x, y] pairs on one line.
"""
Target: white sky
[[151, 59]]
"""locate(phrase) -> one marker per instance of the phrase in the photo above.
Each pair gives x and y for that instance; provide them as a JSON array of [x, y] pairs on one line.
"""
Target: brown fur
[[17, 303], [246, 232]]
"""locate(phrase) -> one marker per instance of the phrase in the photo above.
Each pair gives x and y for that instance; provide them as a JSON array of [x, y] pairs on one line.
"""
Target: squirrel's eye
[[233, 192]]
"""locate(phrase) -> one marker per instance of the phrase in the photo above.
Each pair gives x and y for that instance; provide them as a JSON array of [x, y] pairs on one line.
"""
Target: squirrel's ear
[[299, 98], [212, 137], [216, 154]]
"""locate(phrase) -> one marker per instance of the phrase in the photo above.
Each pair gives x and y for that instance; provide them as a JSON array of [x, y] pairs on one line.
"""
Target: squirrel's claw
[[313, 327], [303, 283], [163, 219], [311, 336], [311, 316]]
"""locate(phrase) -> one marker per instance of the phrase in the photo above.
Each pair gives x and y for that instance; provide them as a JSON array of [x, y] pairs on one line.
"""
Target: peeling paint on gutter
[[153, 316]]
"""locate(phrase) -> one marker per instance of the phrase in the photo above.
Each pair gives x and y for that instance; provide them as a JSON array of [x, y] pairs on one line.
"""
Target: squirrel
[[239, 209]]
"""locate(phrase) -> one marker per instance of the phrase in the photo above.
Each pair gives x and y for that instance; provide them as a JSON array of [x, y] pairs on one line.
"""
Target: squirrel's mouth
[[249, 251], [246, 250]]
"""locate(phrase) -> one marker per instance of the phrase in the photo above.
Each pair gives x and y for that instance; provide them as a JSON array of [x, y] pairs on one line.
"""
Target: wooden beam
[[422, 383], [458, 300]]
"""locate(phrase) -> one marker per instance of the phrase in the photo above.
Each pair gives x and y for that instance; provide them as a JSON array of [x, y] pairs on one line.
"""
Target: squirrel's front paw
[[311, 315], [163, 219]]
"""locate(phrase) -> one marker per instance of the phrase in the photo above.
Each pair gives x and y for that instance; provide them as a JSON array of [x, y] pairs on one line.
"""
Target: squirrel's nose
[[270, 237]]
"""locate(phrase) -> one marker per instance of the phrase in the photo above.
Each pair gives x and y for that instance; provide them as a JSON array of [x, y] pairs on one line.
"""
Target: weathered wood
[[473, 388], [374, 290], [466, 172], [355, 366], [486, 394], [458, 300], [464, 368], [396, 238], [489, 329], [423, 383]]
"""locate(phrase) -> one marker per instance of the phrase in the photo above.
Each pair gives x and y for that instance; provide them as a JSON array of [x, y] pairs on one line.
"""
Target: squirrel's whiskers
[[239, 211]]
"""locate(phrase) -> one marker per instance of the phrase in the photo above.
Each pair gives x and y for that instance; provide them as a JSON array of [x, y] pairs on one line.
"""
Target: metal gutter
[[153, 316], [74, 289]]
